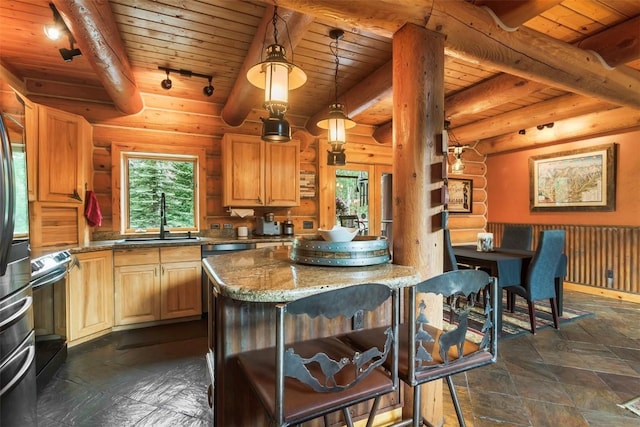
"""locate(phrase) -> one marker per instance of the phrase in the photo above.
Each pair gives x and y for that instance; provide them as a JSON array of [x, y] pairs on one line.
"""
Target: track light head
[[68, 54], [55, 30], [208, 90], [166, 83]]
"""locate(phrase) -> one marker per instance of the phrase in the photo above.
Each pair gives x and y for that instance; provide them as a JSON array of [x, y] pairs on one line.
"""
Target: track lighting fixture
[[168, 84], [546, 125], [276, 76], [337, 122], [58, 29], [208, 90]]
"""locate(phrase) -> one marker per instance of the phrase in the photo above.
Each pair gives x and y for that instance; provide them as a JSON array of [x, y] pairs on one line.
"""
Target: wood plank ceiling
[[495, 80]]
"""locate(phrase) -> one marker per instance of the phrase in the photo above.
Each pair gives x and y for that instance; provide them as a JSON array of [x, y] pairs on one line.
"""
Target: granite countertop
[[268, 275], [100, 245]]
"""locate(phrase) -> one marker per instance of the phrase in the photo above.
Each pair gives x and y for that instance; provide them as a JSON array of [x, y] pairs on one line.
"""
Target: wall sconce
[[457, 167], [58, 29], [276, 76], [167, 83], [337, 122]]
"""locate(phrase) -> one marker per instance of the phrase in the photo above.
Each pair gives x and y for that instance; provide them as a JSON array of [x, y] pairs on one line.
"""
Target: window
[[145, 177]]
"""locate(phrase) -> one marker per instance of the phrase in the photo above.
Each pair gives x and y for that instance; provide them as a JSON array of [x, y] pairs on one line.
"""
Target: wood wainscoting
[[604, 257]]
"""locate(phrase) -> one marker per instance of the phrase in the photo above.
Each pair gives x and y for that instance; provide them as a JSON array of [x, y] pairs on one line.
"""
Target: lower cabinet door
[[90, 295], [137, 294], [181, 293]]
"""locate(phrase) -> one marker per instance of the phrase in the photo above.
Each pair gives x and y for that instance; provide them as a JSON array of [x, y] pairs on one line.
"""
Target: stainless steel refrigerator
[[17, 336]]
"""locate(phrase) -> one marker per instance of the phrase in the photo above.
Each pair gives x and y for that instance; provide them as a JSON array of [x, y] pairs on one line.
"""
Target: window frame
[[122, 152]]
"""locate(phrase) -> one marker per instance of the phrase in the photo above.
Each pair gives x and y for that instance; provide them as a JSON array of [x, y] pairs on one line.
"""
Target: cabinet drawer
[[180, 253], [136, 256]]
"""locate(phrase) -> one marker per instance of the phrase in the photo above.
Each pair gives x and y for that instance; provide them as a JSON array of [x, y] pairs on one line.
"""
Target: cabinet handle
[[162, 270], [155, 271], [75, 195]]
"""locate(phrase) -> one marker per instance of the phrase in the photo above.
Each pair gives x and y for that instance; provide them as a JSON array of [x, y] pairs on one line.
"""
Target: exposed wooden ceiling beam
[[95, 30], [616, 45], [472, 35], [376, 87], [515, 13], [244, 96], [490, 93], [574, 129], [559, 108]]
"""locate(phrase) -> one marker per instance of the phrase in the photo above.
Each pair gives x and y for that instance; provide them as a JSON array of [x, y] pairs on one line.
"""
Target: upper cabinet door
[[62, 137], [242, 170], [282, 172], [257, 173]]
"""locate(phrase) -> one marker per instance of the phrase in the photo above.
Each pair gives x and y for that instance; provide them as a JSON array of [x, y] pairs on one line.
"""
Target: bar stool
[[302, 380], [433, 353]]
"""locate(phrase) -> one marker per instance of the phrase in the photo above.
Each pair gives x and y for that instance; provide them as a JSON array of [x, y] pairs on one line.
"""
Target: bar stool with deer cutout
[[434, 353]]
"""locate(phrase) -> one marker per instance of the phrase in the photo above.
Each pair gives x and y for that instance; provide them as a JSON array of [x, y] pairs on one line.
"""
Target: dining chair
[[428, 353], [539, 282], [450, 262], [300, 380], [517, 237]]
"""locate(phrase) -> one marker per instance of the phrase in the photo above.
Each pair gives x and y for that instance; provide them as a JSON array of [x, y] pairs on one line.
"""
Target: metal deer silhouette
[[456, 337]]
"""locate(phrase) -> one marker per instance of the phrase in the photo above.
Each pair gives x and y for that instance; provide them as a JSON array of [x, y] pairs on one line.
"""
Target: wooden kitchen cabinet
[[63, 170], [64, 139], [90, 296], [256, 173], [154, 284], [181, 286]]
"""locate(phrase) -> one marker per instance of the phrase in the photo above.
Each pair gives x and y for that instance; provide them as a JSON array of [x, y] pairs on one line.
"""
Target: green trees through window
[[149, 177]]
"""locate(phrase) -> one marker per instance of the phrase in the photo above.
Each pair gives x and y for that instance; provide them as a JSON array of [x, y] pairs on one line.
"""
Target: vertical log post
[[418, 121]]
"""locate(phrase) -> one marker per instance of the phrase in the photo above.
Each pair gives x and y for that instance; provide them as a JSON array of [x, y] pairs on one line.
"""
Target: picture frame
[[577, 180], [460, 195]]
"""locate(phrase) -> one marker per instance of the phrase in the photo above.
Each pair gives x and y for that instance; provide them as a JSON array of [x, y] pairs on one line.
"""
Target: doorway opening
[[352, 199]]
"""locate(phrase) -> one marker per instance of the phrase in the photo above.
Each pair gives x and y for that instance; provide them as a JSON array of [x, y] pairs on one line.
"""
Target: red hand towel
[[92, 210]]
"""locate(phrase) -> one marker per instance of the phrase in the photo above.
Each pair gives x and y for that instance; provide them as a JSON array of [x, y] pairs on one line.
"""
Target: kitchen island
[[244, 288]]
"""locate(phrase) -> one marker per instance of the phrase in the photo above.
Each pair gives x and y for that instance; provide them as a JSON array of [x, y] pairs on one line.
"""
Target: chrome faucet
[[163, 216]]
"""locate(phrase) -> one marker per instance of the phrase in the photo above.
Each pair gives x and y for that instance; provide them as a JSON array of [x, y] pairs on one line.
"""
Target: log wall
[[594, 251], [465, 227]]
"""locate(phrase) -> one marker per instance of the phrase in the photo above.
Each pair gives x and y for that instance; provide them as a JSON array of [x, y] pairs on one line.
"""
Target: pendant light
[[276, 76], [337, 122]]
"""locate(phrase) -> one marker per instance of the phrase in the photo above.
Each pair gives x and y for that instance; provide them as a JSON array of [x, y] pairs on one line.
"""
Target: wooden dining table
[[509, 266]]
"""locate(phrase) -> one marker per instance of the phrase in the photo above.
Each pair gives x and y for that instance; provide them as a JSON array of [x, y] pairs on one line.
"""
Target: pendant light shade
[[336, 122], [276, 76]]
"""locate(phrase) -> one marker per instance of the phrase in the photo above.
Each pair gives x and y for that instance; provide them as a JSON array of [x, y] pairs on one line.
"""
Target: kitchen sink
[[158, 239]]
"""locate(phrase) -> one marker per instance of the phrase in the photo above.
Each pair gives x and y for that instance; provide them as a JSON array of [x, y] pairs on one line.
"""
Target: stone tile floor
[[573, 377]]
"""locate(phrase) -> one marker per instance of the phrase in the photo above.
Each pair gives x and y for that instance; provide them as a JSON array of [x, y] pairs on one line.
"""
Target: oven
[[17, 347], [48, 281]]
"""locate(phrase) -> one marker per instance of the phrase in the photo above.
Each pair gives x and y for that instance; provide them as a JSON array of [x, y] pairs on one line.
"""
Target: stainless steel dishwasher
[[218, 249]]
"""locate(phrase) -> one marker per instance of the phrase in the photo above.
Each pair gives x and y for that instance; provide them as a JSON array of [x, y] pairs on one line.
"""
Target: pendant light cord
[[333, 46]]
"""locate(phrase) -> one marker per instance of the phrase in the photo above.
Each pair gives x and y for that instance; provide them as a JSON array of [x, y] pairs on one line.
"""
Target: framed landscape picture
[[460, 195], [578, 180]]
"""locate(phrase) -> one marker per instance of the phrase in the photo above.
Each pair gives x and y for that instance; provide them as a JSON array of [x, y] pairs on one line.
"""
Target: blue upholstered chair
[[450, 262], [517, 237], [539, 282]]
